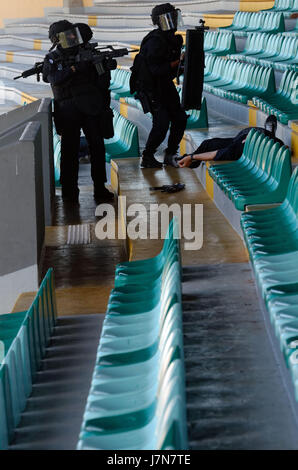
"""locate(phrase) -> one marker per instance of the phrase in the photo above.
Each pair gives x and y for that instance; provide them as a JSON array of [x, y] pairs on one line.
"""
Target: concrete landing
[[54, 413], [84, 273], [221, 244], [235, 394]]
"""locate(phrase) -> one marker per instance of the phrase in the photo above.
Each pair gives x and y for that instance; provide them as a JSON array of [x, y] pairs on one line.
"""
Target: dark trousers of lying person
[[221, 149]]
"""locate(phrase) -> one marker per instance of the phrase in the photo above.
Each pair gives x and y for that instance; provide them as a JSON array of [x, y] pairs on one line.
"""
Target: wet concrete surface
[[236, 398], [54, 413]]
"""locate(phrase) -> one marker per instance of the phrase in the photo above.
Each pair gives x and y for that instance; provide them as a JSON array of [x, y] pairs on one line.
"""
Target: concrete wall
[[21, 213], [37, 111]]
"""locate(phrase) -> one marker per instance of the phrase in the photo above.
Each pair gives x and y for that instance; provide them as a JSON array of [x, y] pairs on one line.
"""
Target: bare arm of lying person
[[188, 159]]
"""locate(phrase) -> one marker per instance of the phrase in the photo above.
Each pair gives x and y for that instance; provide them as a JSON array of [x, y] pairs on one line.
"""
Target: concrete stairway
[[24, 42]]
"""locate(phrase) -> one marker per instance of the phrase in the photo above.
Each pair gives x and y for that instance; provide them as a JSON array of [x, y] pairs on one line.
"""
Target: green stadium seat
[[24, 336], [137, 395], [240, 22], [224, 44], [255, 44], [272, 240], [125, 143], [210, 39], [238, 81], [263, 23], [278, 51], [260, 176], [57, 156], [287, 7], [197, 119], [120, 83], [283, 103]]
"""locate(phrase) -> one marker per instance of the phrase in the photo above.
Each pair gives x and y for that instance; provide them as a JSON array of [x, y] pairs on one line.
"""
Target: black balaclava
[[271, 124]]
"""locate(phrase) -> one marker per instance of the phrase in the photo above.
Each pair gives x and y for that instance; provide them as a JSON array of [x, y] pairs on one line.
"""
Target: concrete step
[[19, 55], [33, 36], [146, 7], [119, 20], [21, 92], [12, 70], [38, 42]]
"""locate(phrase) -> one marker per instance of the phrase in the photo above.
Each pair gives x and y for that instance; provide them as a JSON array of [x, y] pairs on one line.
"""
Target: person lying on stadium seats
[[226, 148]]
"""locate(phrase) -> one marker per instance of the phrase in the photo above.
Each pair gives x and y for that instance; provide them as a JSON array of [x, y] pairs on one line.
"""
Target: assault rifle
[[103, 58]]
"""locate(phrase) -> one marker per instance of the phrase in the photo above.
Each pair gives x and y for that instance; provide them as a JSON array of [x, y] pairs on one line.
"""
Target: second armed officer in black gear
[[161, 53], [81, 101]]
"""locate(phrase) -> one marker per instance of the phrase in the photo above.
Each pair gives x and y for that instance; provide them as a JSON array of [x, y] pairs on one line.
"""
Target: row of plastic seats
[[283, 103], [275, 50], [210, 40], [137, 395], [260, 176], [197, 119], [272, 240], [255, 44], [23, 338], [259, 23], [238, 81], [125, 142], [120, 83], [220, 44], [240, 21], [57, 155], [288, 7]]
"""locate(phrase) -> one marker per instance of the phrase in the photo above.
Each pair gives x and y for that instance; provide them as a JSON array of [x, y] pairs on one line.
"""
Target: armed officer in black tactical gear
[[161, 52], [81, 101]]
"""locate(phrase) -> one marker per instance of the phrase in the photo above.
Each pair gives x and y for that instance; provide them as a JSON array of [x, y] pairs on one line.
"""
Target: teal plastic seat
[[283, 103], [238, 81], [222, 45], [287, 7], [125, 142], [240, 22], [120, 83], [271, 237], [260, 176], [261, 22], [23, 337], [137, 394]]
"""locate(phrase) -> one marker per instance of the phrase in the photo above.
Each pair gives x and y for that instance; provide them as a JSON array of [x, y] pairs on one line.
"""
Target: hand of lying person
[[185, 162]]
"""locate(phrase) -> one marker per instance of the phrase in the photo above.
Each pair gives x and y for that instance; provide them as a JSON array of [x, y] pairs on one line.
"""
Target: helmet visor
[[170, 21], [70, 38]]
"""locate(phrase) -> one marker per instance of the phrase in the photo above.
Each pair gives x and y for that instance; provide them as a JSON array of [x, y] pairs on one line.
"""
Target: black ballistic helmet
[[85, 30], [58, 27], [160, 10]]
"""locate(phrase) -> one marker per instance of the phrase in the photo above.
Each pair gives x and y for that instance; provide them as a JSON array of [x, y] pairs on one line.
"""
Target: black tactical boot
[[148, 161], [103, 195]]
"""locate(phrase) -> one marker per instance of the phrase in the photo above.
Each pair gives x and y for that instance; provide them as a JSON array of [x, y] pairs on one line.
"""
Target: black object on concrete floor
[[236, 396], [54, 413]]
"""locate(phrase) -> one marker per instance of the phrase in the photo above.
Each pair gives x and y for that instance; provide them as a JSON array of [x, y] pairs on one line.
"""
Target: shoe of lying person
[[170, 159]]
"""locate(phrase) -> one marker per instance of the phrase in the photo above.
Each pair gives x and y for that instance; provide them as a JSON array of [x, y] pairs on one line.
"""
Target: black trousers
[[69, 122], [166, 115]]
